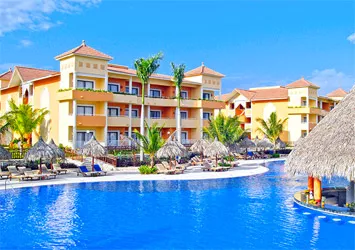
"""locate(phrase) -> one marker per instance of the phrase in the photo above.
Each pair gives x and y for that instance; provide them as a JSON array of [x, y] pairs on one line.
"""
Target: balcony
[[304, 110], [247, 126], [158, 101], [190, 123], [211, 104], [91, 121], [304, 125], [166, 122], [119, 121], [125, 98], [84, 95], [247, 112]]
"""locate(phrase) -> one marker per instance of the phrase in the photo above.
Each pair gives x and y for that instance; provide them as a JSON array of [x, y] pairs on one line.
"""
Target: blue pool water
[[242, 213]]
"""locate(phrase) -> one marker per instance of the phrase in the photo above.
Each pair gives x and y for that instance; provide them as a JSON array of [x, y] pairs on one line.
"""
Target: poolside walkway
[[246, 168]]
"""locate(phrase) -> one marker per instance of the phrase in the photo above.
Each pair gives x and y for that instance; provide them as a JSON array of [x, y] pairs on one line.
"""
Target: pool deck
[[246, 168]]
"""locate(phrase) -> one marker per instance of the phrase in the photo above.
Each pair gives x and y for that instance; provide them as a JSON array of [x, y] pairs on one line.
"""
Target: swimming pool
[[242, 213]]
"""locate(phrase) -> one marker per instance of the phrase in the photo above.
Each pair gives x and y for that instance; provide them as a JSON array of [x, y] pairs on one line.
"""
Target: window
[[114, 111], [112, 138], [304, 119], [115, 88], [134, 136], [85, 110], [155, 93], [155, 114], [81, 84], [331, 107], [206, 116], [184, 136], [304, 134], [231, 106], [83, 137], [134, 113], [183, 114], [184, 95], [205, 135], [304, 103], [206, 96], [135, 90]]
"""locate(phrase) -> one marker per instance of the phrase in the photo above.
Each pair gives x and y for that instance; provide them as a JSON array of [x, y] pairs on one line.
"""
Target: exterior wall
[[294, 127], [263, 109]]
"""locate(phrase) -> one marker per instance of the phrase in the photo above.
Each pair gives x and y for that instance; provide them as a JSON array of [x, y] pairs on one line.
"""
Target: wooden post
[[317, 190], [310, 184]]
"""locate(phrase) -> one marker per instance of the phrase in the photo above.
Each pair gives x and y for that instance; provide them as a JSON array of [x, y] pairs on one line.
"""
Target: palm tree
[[22, 119], [151, 142], [226, 129], [145, 68], [272, 127], [178, 74]]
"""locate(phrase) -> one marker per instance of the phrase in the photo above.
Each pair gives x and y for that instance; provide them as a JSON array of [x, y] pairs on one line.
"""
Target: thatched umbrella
[[246, 143], [279, 143], [4, 154], [265, 143], [94, 149], [171, 149], [59, 153], [216, 148], [40, 151], [199, 146]]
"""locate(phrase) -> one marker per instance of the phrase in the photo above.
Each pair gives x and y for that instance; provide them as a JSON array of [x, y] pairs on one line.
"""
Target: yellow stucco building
[[298, 101], [90, 96]]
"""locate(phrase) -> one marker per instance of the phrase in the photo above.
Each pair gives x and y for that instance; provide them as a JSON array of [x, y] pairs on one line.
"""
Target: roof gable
[[203, 70], [302, 83], [28, 74], [6, 75], [337, 93], [84, 50]]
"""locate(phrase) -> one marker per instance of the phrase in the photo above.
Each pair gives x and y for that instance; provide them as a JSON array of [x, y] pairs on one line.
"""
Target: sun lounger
[[31, 175], [86, 173], [14, 173], [163, 170], [58, 169], [46, 171], [4, 174], [98, 169]]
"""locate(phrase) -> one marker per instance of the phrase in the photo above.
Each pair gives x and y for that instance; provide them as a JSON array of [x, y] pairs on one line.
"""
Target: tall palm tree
[[151, 142], [272, 127], [22, 119], [145, 68], [226, 129], [178, 74]]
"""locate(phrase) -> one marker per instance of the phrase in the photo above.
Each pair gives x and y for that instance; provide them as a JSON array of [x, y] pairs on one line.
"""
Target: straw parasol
[[216, 148], [199, 146], [329, 150], [4, 154], [246, 143], [170, 150], [58, 152], [94, 149], [40, 151], [279, 143], [265, 143]]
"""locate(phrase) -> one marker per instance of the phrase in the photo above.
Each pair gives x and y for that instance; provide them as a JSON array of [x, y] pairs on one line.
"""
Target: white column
[[106, 83], [74, 80], [130, 85], [74, 124], [201, 116], [130, 123], [106, 114]]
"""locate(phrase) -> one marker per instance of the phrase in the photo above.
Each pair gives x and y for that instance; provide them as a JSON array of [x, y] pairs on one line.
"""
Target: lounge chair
[[4, 174], [98, 169], [30, 175], [163, 170], [46, 171], [58, 169], [14, 173], [86, 173]]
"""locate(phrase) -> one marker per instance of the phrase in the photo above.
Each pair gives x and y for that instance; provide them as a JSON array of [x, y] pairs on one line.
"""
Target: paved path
[[247, 168]]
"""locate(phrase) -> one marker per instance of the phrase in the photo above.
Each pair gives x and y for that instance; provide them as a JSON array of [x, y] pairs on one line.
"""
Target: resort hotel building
[[298, 101], [90, 96]]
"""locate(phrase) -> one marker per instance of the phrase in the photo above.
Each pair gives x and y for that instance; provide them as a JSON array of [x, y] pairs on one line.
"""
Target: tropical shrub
[[145, 169]]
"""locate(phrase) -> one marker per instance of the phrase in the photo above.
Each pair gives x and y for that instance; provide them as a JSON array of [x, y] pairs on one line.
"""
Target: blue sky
[[254, 43]]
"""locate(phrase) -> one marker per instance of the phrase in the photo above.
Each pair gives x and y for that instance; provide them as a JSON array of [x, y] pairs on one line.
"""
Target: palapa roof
[[246, 143], [329, 149], [199, 146], [279, 143], [216, 148], [59, 153], [264, 143], [84, 50], [93, 148], [337, 93], [171, 148], [39, 151], [203, 70], [4, 154]]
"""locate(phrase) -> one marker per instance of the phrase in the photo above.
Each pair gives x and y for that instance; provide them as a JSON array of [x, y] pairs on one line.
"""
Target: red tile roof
[[6, 76], [301, 83], [28, 74], [337, 93], [262, 94], [85, 50], [203, 70]]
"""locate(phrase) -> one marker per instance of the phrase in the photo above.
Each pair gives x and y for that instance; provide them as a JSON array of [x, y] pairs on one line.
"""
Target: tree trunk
[[178, 120], [141, 155], [152, 161]]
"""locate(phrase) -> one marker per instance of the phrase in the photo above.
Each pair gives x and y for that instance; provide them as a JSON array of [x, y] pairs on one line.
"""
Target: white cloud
[[25, 43], [36, 14], [331, 79], [351, 38]]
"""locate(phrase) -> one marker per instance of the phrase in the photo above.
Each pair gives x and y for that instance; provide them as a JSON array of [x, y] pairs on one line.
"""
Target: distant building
[[298, 101]]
